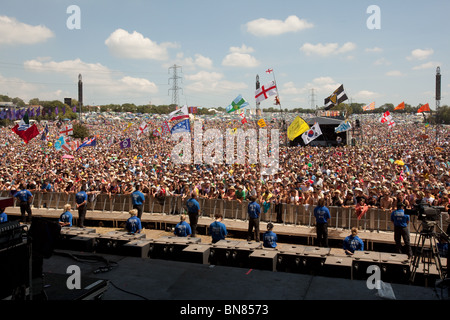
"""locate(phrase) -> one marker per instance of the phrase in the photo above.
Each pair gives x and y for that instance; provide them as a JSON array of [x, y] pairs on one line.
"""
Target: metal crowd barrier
[[291, 214]]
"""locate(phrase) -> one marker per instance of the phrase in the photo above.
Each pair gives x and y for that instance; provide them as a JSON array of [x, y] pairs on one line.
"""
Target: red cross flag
[[269, 71], [142, 128], [67, 130], [264, 92]]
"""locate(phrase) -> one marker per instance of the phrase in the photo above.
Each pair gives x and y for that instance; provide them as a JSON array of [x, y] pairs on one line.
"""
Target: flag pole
[[277, 99]]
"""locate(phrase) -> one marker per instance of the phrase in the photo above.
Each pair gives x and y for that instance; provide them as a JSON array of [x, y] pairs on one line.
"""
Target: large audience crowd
[[391, 165]]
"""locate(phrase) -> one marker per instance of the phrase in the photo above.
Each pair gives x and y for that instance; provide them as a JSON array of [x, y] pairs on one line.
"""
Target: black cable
[[134, 294], [95, 259]]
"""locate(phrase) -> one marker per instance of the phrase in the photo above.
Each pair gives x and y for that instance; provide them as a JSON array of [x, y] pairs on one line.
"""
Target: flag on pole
[[269, 71], [236, 104], [312, 133], [401, 106], [243, 119], [386, 117], [24, 130], [128, 126], [125, 143], [143, 128], [179, 114], [183, 126], [270, 89], [296, 128], [369, 107], [67, 130], [165, 128], [261, 123], [44, 133], [59, 143], [89, 143], [343, 126], [338, 96], [424, 108]]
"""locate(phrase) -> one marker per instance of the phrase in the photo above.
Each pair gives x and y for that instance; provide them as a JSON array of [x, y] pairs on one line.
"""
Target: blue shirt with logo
[[218, 231], [137, 198], [322, 214], [270, 239], [23, 195], [66, 217], [353, 243], [133, 225], [193, 206], [399, 218], [254, 210], [80, 197], [182, 229]]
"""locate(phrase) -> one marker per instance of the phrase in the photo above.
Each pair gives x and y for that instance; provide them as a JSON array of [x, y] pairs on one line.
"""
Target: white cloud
[[134, 45], [365, 94], [427, 65], [94, 75], [321, 85], [266, 27], [15, 32], [240, 57], [213, 82], [374, 49], [191, 63], [419, 54], [394, 73], [327, 49], [382, 62]]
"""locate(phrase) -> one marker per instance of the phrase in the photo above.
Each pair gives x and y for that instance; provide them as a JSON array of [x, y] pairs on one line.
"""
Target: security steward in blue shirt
[[25, 198]]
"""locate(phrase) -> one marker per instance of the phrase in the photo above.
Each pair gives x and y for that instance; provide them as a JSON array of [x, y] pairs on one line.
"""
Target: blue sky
[[124, 50]]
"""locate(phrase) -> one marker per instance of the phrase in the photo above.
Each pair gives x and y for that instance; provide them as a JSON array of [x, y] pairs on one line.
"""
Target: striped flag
[[236, 104], [338, 96]]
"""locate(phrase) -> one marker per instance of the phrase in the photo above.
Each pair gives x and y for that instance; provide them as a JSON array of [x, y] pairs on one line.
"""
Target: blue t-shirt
[[137, 198], [270, 239], [193, 206], [353, 243], [322, 214], [182, 229], [47, 187], [399, 218], [254, 210], [66, 217], [80, 197], [3, 217], [218, 231], [133, 224], [23, 195]]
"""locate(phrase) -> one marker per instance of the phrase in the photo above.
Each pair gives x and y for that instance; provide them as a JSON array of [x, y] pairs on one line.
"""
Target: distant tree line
[[440, 116]]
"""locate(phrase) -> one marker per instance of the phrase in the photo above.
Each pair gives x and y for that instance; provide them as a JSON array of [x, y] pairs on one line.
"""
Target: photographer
[[401, 230]]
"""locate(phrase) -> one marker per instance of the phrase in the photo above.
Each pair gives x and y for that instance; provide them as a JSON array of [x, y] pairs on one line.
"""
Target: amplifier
[[290, 258], [221, 252], [136, 248], [170, 247], [112, 241], [264, 259], [197, 253], [11, 233], [241, 252]]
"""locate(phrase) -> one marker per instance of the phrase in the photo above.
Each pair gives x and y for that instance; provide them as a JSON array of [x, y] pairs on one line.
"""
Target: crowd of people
[[391, 166]]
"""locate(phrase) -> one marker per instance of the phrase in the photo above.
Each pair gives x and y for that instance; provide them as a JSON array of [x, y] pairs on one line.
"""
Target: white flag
[[266, 91], [312, 133], [143, 128]]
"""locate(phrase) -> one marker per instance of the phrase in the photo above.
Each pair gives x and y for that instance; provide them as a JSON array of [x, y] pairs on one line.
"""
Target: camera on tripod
[[425, 211]]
